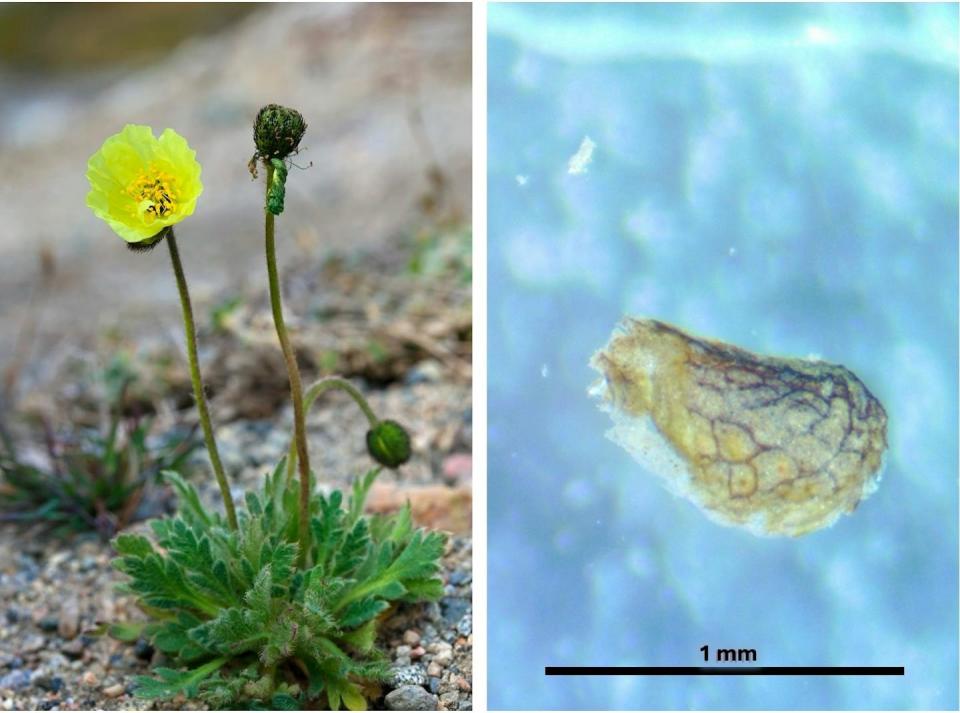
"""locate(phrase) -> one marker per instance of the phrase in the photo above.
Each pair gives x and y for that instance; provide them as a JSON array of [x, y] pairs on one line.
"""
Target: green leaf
[[132, 545], [128, 631], [234, 632], [416, 561], [352, 549], [363, 639], [419, 590], [284, 702], [190, 506], [359, 612], [172, 682], [361, 487]]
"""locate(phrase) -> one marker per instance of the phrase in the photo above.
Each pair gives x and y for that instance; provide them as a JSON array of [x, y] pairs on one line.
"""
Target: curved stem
[[319, 387], [296, 390], [191, 335]]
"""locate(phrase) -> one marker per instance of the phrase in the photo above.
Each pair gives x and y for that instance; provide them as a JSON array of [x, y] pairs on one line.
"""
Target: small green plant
[[250, 628], [91, 480], [277, 607]]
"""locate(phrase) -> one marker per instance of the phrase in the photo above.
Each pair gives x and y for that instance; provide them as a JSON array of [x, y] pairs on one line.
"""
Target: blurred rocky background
[[385, 89]]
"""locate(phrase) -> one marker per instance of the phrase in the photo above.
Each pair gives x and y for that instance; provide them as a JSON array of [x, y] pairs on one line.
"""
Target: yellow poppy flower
[[140, 184]]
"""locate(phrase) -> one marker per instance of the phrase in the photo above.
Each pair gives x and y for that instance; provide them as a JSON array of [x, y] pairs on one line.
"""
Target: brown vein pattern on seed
[[777, 445]]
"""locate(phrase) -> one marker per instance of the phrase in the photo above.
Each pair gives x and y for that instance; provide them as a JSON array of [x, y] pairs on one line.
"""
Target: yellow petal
[[122, 171]]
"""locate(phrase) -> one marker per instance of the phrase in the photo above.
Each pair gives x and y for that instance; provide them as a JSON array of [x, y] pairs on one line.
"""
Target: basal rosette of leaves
[[243, 626]]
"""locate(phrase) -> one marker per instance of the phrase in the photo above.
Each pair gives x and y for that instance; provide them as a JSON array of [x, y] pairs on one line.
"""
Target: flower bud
[[389, 444], [277, 131]]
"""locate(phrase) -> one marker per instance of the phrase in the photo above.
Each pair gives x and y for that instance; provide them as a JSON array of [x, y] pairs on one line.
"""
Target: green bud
[[389, 444], [277, 189], [277, 131]]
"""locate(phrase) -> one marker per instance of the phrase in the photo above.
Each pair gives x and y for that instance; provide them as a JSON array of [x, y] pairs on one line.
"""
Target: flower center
[[155, 193]]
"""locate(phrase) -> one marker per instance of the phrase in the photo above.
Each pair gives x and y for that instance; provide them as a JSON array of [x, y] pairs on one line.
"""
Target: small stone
[[44, 681], [411, 637], [434, 669], [460, 577], [33, 643], [49, 623], [402, 657], [407, 676], [417, 652], [457, 467], [143, 650], [429, 371], [12, 615], [465, 705], [89, 679], [462, 683], [444, 654], [465, 625], [411, 698], [73, 649], [434, 684], [8, 704], [114, 691], [68, 625], [15, 680], [454, 608], [449, 699]]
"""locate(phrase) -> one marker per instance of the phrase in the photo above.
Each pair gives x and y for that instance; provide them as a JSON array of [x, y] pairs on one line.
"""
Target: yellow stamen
[[155, 193]]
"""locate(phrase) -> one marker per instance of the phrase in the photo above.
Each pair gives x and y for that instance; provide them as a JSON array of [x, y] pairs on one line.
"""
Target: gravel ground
[[55, 591]]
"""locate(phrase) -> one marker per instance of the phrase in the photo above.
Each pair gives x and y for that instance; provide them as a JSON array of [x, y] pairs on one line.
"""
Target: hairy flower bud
[[277, 131], [389, 444]]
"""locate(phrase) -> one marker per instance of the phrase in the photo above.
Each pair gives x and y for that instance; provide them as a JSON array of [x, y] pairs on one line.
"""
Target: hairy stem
[[296, 390], [325, 384], [191, 335]]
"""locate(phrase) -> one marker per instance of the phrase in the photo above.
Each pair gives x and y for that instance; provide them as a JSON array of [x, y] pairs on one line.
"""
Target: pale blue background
[[780, 177]]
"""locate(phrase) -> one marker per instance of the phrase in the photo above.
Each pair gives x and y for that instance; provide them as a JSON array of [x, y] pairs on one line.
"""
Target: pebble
[[434, 669], [143, 650], [462, 683], [411, 637], [411, 698], [417, 652], [444, 654], [68, 625], [465, 625], [449, 699], [90, 679], [453, 608], [33, 643], [114, 691], [428, 371], [403, 655], [457, 467], [407, 676], [16, 679], [74, 649], [8, 661], [434, 684], [44, 681]]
